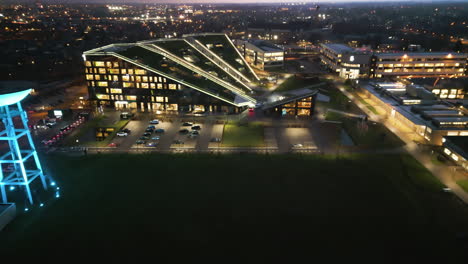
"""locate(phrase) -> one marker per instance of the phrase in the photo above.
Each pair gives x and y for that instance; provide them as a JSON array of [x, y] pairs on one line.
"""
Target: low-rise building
[[416, 111], [351, 63], [348, 62], [300, 102], [456, 148], [261, 54], [419, 64]]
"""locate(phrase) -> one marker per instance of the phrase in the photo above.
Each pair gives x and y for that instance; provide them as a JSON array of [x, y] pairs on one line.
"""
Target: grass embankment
[[294, 82], [366, 134], [237, 134], [369, 106], [90, 126], [252, 206], [463, 184]]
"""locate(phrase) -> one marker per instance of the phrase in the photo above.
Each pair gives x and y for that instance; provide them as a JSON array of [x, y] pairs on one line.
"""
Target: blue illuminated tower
[[19, 162]]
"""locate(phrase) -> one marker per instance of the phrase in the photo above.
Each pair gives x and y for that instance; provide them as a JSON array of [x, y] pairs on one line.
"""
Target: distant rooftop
[[265, 46], [422, 54], [339, 48]]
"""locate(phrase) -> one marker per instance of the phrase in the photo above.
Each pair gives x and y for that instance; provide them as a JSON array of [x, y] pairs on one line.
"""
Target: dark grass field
[[241, 208]]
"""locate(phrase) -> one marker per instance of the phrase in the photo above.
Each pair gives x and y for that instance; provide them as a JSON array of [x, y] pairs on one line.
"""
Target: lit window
[[102, 96], [172, 86], [102, 84], [454, 157], [140, 72], [99, 64], [116, 91], [131, 97], [89, 77], [159, 99], [88, 63], [447, 151]]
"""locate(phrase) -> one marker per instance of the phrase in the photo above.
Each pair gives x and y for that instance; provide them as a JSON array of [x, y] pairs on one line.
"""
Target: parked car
[[143, 138], [139, 142], [187, 124], [156, 138], [151, 127], [197, 127], [159, 130], [178, 141], [122, 134], [151, 144], [215, 140], [51, 124], [149, 130], [184, 131], [147, 134], [154, 121], [112, 145], [126, 130], [192, 135], [194, 132]]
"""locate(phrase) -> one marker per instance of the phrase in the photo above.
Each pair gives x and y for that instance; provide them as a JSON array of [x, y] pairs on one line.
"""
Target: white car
[[122, 134], [297, 145], [154, 121]]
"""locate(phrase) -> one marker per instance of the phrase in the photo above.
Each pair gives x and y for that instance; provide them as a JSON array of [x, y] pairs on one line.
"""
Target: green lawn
[[293, 83], [370, 107], [463, 184], [370, 135], [243, 135], [257, 207]]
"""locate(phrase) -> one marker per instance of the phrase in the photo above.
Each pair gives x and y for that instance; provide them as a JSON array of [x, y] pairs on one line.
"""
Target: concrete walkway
[[444, 173]]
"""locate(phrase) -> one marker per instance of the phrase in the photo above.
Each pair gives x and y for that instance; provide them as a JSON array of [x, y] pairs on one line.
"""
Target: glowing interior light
[[52, 184], [12, 188], [26, 209], [41, 205], [57, 195]]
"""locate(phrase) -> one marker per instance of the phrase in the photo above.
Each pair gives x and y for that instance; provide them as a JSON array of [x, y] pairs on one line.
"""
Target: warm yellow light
[[449, 56], [405, 56]]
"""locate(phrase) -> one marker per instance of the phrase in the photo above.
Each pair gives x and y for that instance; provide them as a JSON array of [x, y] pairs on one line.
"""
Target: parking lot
[[168, 134], [174, 133], [298, 138]]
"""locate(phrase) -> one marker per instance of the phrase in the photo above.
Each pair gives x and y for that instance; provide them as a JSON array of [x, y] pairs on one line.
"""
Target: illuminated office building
[[419, 64], [261, 54], [416, 109], [351, 63], [203, 73], [347, 62]]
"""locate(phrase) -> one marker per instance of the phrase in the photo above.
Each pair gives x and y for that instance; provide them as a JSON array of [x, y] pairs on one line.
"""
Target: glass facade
[[116, 83], [299, 107]]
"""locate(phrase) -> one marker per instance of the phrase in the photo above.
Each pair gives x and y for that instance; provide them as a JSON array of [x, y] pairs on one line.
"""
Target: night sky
[[226, 1]]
